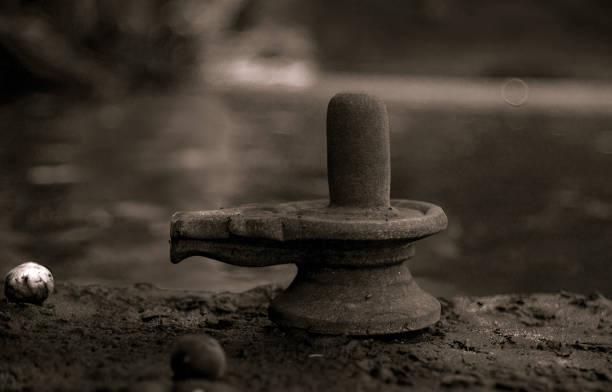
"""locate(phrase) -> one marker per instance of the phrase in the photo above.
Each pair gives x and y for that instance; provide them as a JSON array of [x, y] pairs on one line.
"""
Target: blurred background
[[115, 114]]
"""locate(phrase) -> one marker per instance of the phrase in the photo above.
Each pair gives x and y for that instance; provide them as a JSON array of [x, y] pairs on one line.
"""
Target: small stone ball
[[198, 356], [28, 282]]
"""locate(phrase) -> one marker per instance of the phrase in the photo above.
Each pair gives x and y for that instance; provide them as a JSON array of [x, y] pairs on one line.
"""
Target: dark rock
[[197, 356]]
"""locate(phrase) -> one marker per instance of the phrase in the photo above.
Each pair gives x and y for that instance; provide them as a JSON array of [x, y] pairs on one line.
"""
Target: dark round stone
[[198, 356]]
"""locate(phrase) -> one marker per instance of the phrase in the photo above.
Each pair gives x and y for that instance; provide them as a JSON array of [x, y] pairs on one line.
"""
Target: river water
[[88, 188]]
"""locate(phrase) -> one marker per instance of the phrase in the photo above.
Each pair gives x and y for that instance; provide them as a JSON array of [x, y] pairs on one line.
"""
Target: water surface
[[88, 188]]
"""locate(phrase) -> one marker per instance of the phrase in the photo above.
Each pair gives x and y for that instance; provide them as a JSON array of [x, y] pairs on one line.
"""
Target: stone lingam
[[351, 251]]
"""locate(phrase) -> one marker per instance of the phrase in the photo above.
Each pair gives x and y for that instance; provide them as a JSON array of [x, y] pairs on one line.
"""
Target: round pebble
[[198, 356], [28, 282]]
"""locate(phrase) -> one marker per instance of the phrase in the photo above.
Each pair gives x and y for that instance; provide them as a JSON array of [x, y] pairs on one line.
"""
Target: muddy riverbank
[[101, 338]]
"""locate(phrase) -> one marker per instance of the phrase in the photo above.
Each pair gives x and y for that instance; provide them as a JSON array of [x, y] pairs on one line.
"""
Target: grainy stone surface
[[358, 163], [355, 301], [96, 338], [311, 220]]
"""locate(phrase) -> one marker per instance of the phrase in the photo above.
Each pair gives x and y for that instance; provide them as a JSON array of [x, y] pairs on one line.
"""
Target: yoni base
[[365, 301]]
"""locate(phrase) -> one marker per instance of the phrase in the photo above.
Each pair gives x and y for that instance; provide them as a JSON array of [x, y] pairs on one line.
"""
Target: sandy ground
[[100, 338]]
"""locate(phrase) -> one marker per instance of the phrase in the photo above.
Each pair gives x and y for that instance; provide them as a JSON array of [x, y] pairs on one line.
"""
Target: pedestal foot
[[364, 301]]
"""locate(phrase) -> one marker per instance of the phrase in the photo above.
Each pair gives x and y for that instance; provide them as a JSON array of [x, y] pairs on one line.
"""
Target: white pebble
[[28, 282]]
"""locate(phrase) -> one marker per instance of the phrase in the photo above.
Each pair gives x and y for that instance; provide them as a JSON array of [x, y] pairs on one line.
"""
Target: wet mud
[[98, 338]]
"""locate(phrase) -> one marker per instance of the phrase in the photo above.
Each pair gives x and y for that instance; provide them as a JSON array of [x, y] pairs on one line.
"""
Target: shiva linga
[[351, 250]]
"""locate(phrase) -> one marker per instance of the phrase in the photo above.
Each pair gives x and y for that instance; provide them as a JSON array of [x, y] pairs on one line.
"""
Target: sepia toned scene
[[115, 115]]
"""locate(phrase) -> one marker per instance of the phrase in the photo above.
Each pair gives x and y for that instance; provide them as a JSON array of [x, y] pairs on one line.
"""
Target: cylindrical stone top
[[358, 167]]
